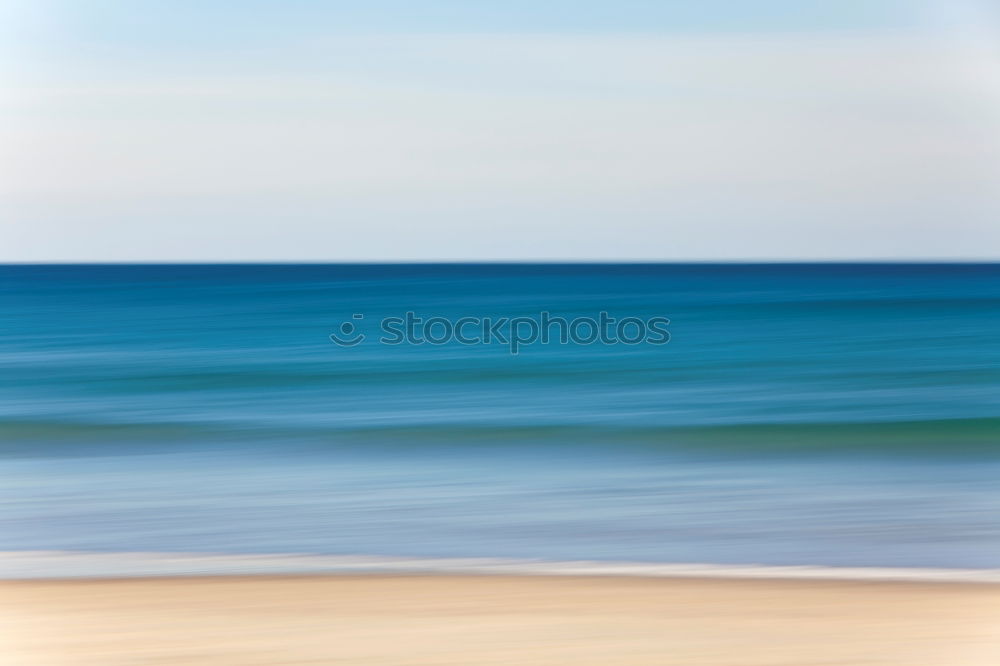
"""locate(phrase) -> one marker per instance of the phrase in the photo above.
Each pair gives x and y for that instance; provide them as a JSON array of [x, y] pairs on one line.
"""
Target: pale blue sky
[[422, 130]]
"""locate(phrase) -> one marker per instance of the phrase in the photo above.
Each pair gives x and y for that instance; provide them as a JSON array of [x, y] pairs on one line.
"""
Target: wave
[[20, 565], [939, 438]]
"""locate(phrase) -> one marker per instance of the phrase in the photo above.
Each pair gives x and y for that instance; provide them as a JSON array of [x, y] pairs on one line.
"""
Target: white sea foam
[[78, 564]]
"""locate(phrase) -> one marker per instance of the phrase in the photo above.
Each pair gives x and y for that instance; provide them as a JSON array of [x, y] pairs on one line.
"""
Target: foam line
[[78, 564]]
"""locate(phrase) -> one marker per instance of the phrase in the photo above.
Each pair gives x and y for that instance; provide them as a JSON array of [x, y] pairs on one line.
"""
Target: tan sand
[[472, 620]]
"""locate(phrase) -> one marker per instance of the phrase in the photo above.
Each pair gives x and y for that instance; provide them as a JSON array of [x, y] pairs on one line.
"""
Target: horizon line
[[466, 262]]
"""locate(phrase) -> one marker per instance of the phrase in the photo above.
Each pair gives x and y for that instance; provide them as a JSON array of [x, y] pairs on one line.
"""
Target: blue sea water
[[821, 414]]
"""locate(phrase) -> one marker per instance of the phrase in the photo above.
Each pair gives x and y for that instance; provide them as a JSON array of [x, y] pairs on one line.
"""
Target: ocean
[[179, 418]]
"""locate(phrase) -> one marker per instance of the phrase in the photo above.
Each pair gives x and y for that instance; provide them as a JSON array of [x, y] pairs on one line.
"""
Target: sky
[[423, 130]]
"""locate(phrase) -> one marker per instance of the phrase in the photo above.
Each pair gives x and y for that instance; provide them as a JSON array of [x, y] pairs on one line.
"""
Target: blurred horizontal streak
[[67, 564]]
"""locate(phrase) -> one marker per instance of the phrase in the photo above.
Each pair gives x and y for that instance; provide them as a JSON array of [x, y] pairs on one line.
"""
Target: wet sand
[[472, 620]]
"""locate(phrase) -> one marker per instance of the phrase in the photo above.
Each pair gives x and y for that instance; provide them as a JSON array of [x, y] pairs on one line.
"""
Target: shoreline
[[472, 619], [70, 565]]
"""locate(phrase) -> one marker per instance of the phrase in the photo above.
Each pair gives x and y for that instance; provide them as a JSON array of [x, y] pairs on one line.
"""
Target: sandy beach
[[464, 620]]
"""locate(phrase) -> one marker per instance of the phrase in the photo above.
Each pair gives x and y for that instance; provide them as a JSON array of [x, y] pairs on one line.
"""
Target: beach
[[196, 473], [463, 620]]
